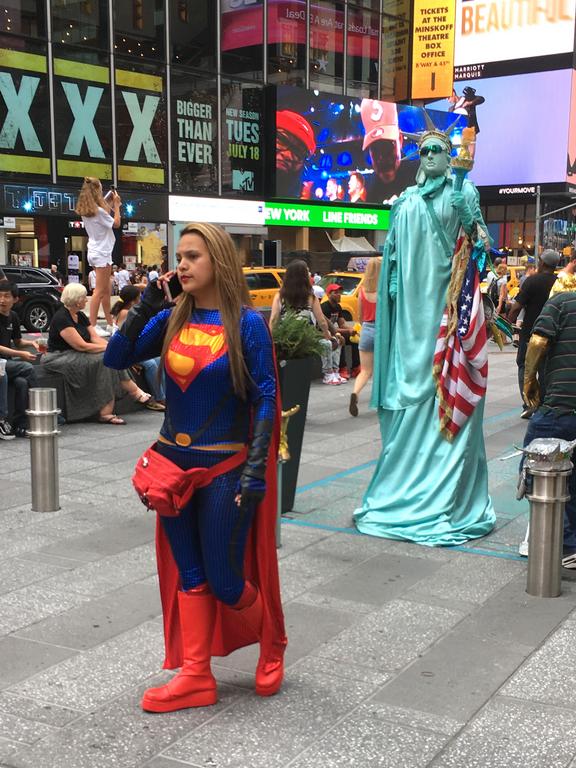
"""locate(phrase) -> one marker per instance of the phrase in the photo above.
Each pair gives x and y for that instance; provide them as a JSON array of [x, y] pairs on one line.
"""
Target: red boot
[[269, 672], [194, 685]]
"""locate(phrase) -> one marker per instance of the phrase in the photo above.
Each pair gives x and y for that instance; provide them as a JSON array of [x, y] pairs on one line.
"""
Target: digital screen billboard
[[346, 149], [523, 126], [507, 30]]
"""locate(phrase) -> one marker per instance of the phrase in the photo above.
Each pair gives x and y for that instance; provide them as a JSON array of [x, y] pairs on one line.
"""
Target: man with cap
[[382, 139], [295, 142], [335, 315], [532, 297]]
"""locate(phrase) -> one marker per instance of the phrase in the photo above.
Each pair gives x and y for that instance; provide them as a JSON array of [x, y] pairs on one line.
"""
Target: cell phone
[[172, 288]]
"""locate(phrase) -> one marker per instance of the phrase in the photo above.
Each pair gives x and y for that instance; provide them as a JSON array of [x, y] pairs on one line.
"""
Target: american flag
[[461, 359]]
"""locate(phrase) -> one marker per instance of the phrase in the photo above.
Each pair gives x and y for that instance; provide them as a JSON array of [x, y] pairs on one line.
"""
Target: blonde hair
[[232, 293], [90, 197], [372, 275], [72, 294], [501, 270]]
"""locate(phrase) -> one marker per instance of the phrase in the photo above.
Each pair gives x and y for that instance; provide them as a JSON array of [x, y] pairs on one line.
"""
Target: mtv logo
[[243, 180]]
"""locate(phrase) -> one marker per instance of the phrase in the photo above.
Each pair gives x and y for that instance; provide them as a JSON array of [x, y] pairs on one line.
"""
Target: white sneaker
[[328, 378], [339, 379], [523, 549], [101, 331]]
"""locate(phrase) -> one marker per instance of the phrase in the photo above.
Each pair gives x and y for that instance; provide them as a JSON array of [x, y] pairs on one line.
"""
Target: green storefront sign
[[327, 216]]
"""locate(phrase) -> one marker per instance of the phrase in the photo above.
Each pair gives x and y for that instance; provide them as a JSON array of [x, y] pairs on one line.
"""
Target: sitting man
[[335, 314], [19, 371]]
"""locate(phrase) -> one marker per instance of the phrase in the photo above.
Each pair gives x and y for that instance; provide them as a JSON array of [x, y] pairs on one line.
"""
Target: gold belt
[[183, 440]]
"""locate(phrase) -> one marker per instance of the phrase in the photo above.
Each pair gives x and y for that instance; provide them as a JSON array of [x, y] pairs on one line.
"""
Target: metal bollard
[[547, 468], [43, 432]]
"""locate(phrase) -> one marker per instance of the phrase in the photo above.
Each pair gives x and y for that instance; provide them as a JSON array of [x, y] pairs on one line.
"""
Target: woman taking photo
[[99, 218], [367, 303], [76, 352], [217, 561]]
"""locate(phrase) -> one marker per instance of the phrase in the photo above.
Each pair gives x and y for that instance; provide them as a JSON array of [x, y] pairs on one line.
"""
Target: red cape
[[260, 567]]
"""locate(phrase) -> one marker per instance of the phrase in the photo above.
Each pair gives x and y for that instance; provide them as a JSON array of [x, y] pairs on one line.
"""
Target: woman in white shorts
[[99, 217]]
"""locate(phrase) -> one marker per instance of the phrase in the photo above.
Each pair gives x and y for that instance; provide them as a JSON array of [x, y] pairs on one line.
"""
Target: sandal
[[111, 419], [154, 405], [353, 407], [142, 397]]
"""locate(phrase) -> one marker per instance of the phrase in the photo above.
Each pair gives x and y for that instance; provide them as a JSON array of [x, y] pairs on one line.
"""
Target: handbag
[[167, 489]]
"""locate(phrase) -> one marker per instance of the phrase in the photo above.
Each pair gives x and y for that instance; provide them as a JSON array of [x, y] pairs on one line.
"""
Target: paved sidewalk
[[400, 656]]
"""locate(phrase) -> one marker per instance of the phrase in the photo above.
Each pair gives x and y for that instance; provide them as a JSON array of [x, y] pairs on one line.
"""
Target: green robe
[[424, 489]]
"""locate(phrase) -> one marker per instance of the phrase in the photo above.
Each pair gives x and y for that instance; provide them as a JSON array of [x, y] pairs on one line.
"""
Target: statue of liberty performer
[[431, 482]]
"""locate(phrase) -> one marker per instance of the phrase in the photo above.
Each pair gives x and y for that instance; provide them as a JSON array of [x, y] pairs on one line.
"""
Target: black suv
[[39, 296]]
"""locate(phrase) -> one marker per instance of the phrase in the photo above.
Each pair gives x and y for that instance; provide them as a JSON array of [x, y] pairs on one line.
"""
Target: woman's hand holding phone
[[170, 284]]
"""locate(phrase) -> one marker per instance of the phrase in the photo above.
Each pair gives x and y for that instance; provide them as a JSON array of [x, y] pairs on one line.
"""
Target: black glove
[[252, 483], [152, 302]]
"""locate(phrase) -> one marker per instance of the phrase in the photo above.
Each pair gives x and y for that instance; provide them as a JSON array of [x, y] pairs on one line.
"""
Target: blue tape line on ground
[[330, 478], [354, 532]]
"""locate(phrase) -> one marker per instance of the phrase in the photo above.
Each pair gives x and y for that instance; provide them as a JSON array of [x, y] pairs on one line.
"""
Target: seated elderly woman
[[76, 351]]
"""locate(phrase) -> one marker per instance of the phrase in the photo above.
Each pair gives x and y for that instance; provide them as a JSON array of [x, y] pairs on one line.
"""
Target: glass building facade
[[171, 97]]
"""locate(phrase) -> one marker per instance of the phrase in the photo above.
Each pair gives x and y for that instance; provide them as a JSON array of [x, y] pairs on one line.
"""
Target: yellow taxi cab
[[514, 275], [350, 282], [263, 284]]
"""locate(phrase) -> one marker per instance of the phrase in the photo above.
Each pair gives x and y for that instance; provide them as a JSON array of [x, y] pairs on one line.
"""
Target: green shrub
[[295, 338]]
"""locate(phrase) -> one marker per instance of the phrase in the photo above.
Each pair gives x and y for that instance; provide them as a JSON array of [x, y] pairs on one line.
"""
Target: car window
[[349, 283], [268, 280], [253, 282], [14, 275], [33, 276]]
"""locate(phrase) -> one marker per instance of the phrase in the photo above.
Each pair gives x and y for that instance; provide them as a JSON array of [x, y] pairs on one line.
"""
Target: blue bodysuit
[[208, 538]]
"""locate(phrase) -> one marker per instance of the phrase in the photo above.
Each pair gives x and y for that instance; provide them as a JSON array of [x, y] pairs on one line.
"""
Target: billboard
[[507, 30], [345, 149], [432, 49], [523, 126]]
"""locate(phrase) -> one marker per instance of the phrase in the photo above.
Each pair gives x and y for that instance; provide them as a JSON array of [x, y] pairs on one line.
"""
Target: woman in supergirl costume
[[217, 561]]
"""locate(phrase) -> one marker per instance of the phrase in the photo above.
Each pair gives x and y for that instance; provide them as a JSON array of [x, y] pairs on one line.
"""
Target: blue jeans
[[155, 384], [547, 423], [21, 376]]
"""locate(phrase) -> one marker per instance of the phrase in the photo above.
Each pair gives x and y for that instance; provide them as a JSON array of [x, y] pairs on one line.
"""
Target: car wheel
[[346, 315], [37, 317]]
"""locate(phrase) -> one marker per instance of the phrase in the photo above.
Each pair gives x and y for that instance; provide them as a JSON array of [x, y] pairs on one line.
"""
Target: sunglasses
[[434, 148]]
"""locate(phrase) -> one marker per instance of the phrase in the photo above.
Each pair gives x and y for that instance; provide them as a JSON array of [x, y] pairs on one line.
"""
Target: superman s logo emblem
[[193, 349]]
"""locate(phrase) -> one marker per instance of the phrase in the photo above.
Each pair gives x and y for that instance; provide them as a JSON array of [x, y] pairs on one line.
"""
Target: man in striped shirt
[[554, 334]]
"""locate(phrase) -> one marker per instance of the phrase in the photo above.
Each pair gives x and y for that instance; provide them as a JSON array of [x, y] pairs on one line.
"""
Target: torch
[[464, 160]]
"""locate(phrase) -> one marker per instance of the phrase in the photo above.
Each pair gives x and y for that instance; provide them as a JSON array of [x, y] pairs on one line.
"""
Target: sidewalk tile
[[366, 738], [270, 732], [456, 676], [471, 581], [119, 735], [379, 579], [20, 659], [392, 637], [96, 621], [548, 675], [99, 674], [508, 733]]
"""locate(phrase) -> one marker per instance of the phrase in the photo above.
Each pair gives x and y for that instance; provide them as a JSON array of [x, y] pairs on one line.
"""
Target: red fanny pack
[[164, 487]]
